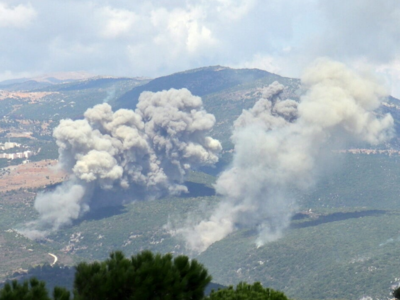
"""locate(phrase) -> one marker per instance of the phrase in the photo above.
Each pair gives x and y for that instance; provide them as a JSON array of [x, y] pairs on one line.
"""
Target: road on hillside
[[55, 259]]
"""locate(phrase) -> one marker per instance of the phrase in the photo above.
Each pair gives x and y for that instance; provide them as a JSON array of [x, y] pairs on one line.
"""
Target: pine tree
[[28, 290], [396, 293], [246, 291], [144, 276]]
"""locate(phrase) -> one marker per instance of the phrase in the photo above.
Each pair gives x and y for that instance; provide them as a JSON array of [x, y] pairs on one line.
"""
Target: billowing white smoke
[[280, 145], [148, 150]]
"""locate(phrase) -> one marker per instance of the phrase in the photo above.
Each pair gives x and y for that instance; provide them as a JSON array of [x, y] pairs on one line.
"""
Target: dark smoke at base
[[149, 150], [280, 147]]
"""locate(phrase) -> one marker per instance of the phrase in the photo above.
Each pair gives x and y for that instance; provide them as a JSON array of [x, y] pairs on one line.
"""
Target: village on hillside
[[10, 150]]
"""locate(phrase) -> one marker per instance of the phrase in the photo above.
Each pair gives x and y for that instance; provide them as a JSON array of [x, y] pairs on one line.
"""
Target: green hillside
[[200, 82], [348, 252], [345, 259]]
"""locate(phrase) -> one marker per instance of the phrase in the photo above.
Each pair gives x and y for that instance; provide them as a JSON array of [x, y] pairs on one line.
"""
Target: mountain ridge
[[200, 82]]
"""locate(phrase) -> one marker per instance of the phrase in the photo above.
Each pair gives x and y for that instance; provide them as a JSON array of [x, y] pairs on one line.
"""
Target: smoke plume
[[280, 146], [148, 150]]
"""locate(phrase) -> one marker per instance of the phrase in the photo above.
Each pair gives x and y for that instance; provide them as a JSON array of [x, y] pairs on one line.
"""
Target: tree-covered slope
[[200, 82]]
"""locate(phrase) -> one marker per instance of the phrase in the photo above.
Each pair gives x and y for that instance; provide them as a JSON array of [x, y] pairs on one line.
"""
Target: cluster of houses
[[9, 145], [22, 154], [25, 154]]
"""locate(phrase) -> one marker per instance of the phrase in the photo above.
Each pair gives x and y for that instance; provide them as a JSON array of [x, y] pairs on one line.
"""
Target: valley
[[344, 234]]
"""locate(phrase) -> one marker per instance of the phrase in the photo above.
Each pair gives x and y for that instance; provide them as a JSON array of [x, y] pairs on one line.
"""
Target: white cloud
[[234, 9], [118, 22], [154, 38], [18, 16], [360, 28], [391, 72], [6, 74], [263, 62], [181, 30]]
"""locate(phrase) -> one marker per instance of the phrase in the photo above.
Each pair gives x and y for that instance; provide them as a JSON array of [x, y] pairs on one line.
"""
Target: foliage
[[246, 291], [60, 293], [396, 293], [31, 290], [144, 276], [199, 81], [57, 275]]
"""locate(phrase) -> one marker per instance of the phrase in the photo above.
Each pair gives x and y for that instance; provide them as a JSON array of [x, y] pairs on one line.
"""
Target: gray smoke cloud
[[149, 150], [279, 147]]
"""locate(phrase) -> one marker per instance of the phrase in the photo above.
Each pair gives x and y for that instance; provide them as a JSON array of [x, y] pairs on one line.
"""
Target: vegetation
[[246, 291], [145, 276], [342, 250], [396, 293], [200, 82], [54, 276], [31, 290]]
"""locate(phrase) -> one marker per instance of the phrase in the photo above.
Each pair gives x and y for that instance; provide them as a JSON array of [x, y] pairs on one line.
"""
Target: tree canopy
[[143, 276], [31, 290], [246, 291], [396, 293]]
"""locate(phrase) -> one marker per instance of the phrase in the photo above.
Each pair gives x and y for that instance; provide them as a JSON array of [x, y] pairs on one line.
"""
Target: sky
[[154, 38]]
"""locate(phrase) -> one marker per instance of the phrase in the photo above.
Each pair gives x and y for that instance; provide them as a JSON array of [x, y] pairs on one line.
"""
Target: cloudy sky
[[153, 38]]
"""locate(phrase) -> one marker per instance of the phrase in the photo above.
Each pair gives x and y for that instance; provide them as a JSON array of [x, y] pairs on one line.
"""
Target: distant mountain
[[42, 81], [23, 85], [61, 77], [13, 81], [95, 83], [52, 84], [200, 82]]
